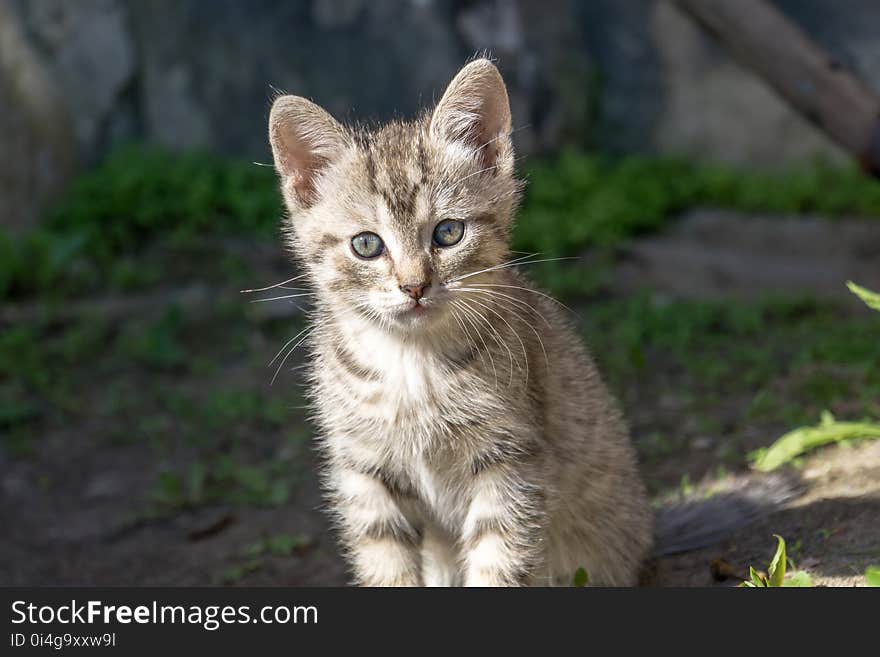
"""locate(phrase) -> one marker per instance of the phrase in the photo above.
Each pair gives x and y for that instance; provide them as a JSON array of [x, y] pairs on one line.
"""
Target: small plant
[[775, 576], [234, 574], [581, 578], [256, 555], [871, 299], [804, 439], [280, 545], [872, 576], [226, 481]]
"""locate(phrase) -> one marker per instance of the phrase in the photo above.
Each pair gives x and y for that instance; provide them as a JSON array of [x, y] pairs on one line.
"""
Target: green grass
[[139, 193], [137, 197], [748, 343], [577, 200], [224, 479], [255, 555], [738, 374], [279, 545]]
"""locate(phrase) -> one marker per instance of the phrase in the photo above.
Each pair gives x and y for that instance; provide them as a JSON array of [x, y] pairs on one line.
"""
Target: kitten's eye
[[367, 245], [448, 232]]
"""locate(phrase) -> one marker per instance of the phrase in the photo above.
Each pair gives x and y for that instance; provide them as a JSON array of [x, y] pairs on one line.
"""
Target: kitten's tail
[[700, 522]]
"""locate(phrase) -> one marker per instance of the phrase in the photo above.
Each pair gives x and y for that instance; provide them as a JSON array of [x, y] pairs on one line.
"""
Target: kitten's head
[[385, 219]]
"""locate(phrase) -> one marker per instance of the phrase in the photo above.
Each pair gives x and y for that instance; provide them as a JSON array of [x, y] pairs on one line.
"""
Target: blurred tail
[[700, 522]]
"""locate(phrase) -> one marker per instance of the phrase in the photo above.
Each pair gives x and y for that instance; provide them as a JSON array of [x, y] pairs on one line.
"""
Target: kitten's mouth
[[412, 311], [415, 311]]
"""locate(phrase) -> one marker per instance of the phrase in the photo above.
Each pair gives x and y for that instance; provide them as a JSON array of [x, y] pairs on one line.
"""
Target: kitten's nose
[[415, 290]]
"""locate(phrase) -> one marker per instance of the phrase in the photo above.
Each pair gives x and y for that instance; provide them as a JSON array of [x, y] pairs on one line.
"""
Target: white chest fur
[[399, 417]]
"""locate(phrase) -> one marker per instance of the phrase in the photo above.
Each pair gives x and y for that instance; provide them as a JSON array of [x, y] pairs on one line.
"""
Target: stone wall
[[620, 75]]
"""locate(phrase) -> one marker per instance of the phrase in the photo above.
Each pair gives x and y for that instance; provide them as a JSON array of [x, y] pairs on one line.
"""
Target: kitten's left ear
[[304, 139], [475, 112]]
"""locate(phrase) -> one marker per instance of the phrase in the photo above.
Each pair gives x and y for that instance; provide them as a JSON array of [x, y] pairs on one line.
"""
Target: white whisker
[[493, 333], [307, 333], [512, 330], [493, 267], [475, 288], [517, 315], [525, 289], [507, 265], [274, 358], [286, 296], [466, 316], [269, 287], [467, 334]]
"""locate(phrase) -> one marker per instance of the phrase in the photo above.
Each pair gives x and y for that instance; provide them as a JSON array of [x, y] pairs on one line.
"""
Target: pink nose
[[415, 290]]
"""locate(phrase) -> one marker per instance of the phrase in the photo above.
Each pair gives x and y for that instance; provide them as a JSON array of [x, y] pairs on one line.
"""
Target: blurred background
[[140, 439]]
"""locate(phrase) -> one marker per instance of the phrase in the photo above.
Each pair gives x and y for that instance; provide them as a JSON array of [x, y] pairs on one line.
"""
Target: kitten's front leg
[[504, 529], [382, 542]]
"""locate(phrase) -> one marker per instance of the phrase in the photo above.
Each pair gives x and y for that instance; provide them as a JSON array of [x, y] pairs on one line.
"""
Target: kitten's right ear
[[475, 111], [304, 139]]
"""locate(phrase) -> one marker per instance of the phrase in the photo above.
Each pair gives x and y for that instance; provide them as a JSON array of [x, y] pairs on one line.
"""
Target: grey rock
[[92, 56], [714, 254], [210, 70]]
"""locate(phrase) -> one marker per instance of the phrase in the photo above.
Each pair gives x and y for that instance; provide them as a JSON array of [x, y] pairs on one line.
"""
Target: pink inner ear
[[299, 165], [302, 180], [485, 138], [489, 152], [304, 139]]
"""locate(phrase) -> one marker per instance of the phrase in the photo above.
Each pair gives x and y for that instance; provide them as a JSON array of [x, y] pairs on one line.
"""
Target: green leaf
[[776, 571], [872, 576], [757, 580], [804, 439], [871, 299], [581, 578], [799, 578]]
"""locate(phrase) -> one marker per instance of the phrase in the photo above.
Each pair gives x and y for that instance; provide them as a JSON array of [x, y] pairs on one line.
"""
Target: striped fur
[[471, 442]]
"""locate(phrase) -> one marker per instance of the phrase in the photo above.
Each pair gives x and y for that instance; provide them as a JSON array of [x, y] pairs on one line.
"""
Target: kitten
[[467, 436]]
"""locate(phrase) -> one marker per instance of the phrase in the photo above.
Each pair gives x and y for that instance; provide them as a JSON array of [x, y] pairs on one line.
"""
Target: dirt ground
[[832, 527], [81, 505]]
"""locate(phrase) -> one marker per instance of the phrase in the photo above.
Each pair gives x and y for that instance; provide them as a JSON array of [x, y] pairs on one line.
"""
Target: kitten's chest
[[410, 381], [417, 416], [392, 392]]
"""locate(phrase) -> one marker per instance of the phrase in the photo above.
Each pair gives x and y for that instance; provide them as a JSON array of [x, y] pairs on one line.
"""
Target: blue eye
[[367, 245], [448, 232]]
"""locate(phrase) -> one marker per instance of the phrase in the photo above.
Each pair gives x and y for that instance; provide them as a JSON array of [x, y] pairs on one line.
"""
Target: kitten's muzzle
[[415, 290]]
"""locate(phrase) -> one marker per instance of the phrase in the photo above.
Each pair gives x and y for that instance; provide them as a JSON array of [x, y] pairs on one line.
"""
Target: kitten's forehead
[[397, 170], [412, 176]]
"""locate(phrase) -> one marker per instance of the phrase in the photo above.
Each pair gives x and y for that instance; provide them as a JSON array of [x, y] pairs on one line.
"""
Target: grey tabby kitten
[[468, 438]]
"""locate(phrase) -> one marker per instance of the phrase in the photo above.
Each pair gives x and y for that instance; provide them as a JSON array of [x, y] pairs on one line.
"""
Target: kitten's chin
[[412, 316]]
